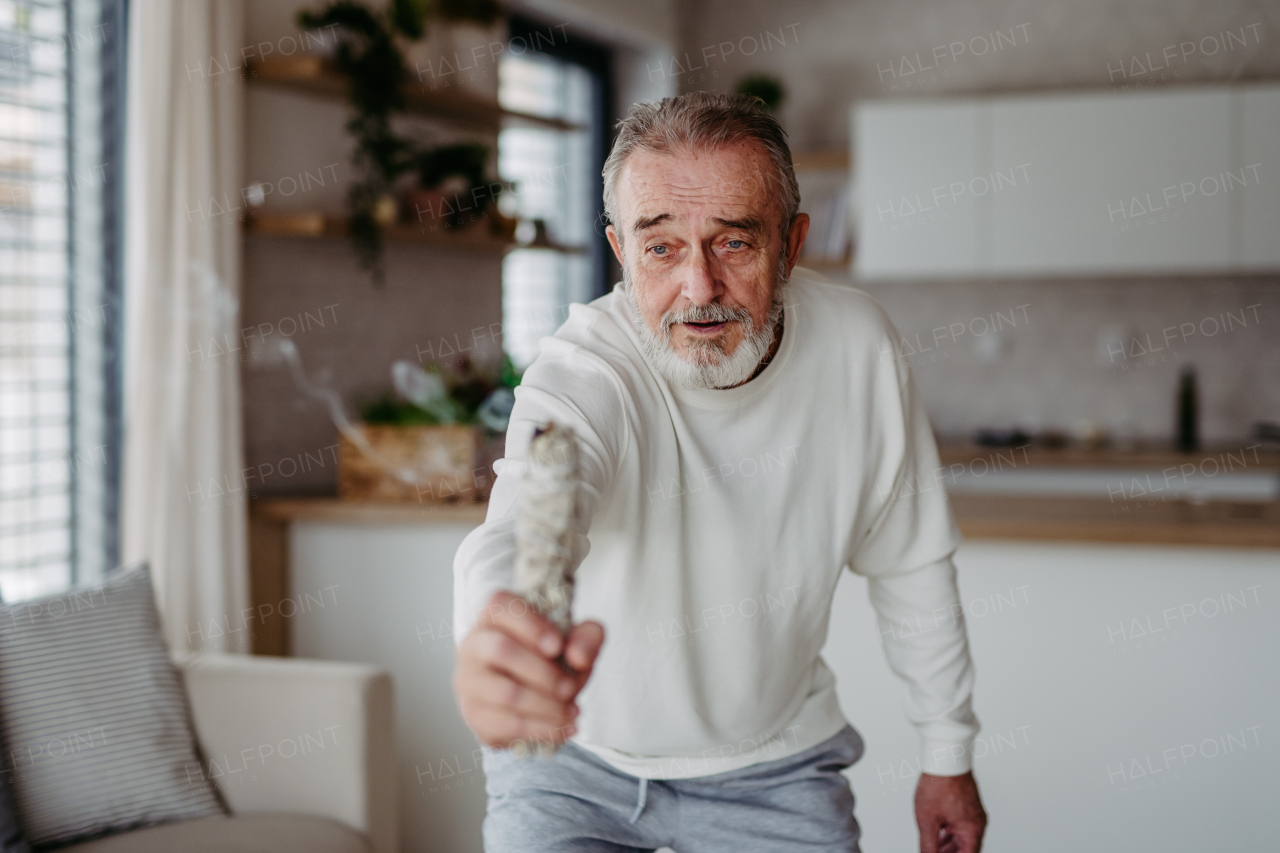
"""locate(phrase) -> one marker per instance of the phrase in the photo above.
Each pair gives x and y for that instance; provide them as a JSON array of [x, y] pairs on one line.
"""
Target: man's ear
[[795, 240], [613, 241]]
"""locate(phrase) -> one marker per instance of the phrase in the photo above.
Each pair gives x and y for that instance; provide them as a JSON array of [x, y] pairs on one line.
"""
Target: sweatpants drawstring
[[644, 795]]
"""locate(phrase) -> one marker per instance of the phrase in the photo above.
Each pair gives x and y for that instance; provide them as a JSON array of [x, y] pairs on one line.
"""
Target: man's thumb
[[583, 644]]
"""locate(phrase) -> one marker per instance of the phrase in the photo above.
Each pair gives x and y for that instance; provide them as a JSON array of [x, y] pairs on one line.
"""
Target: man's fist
[[511, 681], [949, 813]]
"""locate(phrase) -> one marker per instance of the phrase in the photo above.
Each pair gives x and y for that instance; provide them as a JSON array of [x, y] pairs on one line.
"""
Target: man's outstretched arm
[[509, 683], [922, 629]]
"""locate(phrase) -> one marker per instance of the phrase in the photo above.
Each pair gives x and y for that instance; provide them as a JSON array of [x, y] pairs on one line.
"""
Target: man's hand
[[509, 683], [949, 813]]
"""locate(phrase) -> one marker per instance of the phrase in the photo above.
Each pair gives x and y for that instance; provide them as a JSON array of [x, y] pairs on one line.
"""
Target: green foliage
[[367, 52], [392, 411], [509, 377], [363, 229], [467, 388], [765, 87], [483, 12], [410, 17], [368, 55]]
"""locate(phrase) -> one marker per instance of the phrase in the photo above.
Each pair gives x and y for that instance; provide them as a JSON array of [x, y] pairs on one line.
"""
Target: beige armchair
[[302, 751]]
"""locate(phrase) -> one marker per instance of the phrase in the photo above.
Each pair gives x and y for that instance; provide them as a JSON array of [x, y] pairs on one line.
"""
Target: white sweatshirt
[[719, 522]]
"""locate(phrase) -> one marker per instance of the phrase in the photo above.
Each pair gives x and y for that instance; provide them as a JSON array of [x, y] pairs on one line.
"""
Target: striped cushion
[[93, 715]]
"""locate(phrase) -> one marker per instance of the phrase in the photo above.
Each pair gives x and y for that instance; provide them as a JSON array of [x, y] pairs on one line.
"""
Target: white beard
[[705, 365]]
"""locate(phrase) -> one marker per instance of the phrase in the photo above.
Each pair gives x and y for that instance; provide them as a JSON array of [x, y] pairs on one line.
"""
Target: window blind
[[52, 314]]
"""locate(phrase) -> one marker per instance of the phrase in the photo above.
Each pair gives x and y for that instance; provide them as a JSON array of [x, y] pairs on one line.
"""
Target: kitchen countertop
[[1246, 524], [1251, 456], [1249, 524]]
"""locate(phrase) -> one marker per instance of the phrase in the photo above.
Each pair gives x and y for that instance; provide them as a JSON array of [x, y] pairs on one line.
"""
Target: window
[[57, 319], [557, 181]]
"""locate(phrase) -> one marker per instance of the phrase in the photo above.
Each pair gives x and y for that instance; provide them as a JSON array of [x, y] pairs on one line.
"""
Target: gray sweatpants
[[573, 802]]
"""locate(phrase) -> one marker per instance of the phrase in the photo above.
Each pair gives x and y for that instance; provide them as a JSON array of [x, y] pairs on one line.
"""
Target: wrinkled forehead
[[690, 186]]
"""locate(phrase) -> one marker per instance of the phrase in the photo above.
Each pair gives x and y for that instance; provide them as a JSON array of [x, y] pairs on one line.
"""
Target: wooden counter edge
[[1022, 530], [367, 512], [1062, 518], [1036, 521]]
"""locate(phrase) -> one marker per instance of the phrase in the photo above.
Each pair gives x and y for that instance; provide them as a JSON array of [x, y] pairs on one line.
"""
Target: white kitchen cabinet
[[1104, 173], [1258, 206], [1163, 182], [909, 219], [1127, 696]]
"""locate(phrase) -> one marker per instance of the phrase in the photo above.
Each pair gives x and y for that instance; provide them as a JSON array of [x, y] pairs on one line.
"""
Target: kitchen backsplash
[[1050, 354]]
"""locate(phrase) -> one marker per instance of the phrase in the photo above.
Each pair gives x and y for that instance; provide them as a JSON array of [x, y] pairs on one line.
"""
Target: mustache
[[713, 313]]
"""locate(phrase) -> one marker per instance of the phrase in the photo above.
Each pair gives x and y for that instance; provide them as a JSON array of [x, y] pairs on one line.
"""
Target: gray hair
[[701, 121]]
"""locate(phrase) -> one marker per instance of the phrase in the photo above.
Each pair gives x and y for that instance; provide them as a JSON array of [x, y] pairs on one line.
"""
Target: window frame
[[115, 22], [597, 59]]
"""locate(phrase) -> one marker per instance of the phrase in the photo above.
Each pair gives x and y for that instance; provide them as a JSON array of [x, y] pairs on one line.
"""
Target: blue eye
[[658, 250], [731, 243]]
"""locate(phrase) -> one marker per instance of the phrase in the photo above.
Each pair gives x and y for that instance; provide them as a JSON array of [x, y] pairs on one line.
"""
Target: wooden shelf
[[315, 76], [316, 226], [319, 226]]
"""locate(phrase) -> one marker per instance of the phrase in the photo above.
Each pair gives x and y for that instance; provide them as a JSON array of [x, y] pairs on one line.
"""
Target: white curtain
[[183, 506]]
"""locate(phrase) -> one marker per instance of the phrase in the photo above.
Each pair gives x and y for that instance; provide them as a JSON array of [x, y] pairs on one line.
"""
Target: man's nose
[[700, 286]]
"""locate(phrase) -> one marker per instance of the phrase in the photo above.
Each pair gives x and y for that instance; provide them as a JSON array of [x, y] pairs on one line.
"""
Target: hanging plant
[[369, 54]]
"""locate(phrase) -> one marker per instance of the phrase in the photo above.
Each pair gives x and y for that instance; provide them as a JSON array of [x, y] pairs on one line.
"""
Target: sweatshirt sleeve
[[572, 387], [922, 629], [905, 554]]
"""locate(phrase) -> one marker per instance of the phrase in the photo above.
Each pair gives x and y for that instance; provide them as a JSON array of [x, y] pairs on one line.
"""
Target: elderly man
[[743, 439]]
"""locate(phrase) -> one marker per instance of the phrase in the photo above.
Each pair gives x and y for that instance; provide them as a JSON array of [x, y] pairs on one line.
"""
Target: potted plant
[[431, 440]]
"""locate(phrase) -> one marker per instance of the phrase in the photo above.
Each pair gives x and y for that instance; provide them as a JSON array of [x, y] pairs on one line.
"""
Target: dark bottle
[[1188, 412]]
